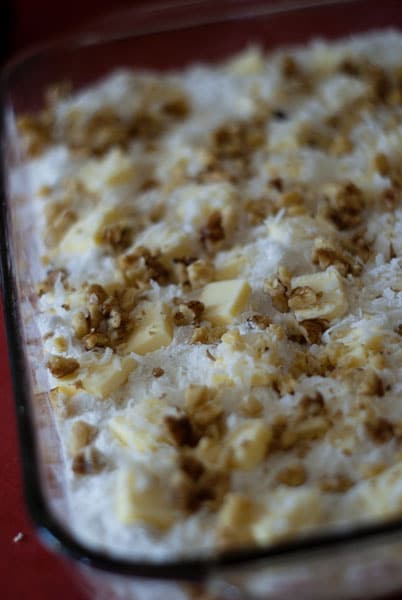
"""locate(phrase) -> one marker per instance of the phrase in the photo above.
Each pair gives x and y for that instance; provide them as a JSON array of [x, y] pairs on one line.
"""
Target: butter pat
[[224, 300], [143, 504], [87, 233], [153, 329], [126, 432], [103, 380], [171, 241]]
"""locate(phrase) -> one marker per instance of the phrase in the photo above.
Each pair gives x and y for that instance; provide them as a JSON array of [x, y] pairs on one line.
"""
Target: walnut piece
[[207, 335], [337, 484], [61, 366], [380, 430], [89, 461], [213, 232], [327, 252], [140, 266], [278, 288], [188, 313], [346, 205], [180, 431], [200, 272]]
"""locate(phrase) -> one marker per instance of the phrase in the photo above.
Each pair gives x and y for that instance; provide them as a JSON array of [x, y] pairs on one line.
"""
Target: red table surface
[[27, 569]]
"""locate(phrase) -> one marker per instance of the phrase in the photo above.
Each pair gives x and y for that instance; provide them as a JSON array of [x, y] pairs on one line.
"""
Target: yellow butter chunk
[[115, 168], [288, 514], [87, 233], [170, 240], [134, 430], [129, 435], [153, 329], [230, 269], [104, 379], [224, 300], [249, 444], [318, 295], [144, 504]]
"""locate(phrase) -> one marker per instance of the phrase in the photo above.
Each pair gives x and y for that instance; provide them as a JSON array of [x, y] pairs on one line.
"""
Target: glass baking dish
[[362, 560]]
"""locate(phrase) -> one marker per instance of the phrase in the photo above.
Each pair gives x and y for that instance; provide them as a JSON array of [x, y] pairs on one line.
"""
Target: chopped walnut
[[315, 135], [234, 139], [292, 201], [89, 461], [213, 232], [140, 266], [81, 325], [81, 434], [191, 466], [303, 297], [290, 67], [209, 487], [276, 183], [327, 253], [390, 198], [258, 209], [96, 340], [340, 145], [372, 384], [293, 475], [380, 430], [105, 321], [312, 406], [101, 131], [61, 366], [37, 132], [48, 283], [381, 164], [337, 484], [346, 204], [260, 321], [118, 236], [207, 335], [188, 313], [251, 407], [313, 329], [180, 431]]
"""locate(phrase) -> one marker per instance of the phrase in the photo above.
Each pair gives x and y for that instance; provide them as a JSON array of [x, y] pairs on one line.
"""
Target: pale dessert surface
[[221, 304]]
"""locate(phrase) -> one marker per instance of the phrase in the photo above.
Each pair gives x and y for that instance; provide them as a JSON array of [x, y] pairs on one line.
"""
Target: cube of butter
[[249, 444], [104, 379], [153, 329], [128, 434], [87, 232], [224, 300], [146, 505], [114, 168], [330, 289], [170, 240]]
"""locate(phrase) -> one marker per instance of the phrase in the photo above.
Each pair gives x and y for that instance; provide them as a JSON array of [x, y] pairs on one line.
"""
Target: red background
[[27, 570]]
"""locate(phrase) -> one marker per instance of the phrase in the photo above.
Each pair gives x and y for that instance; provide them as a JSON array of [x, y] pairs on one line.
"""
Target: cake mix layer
[[221, 304]]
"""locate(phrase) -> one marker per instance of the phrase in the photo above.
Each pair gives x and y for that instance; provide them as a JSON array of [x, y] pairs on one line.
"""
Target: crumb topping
[[220, 302]]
